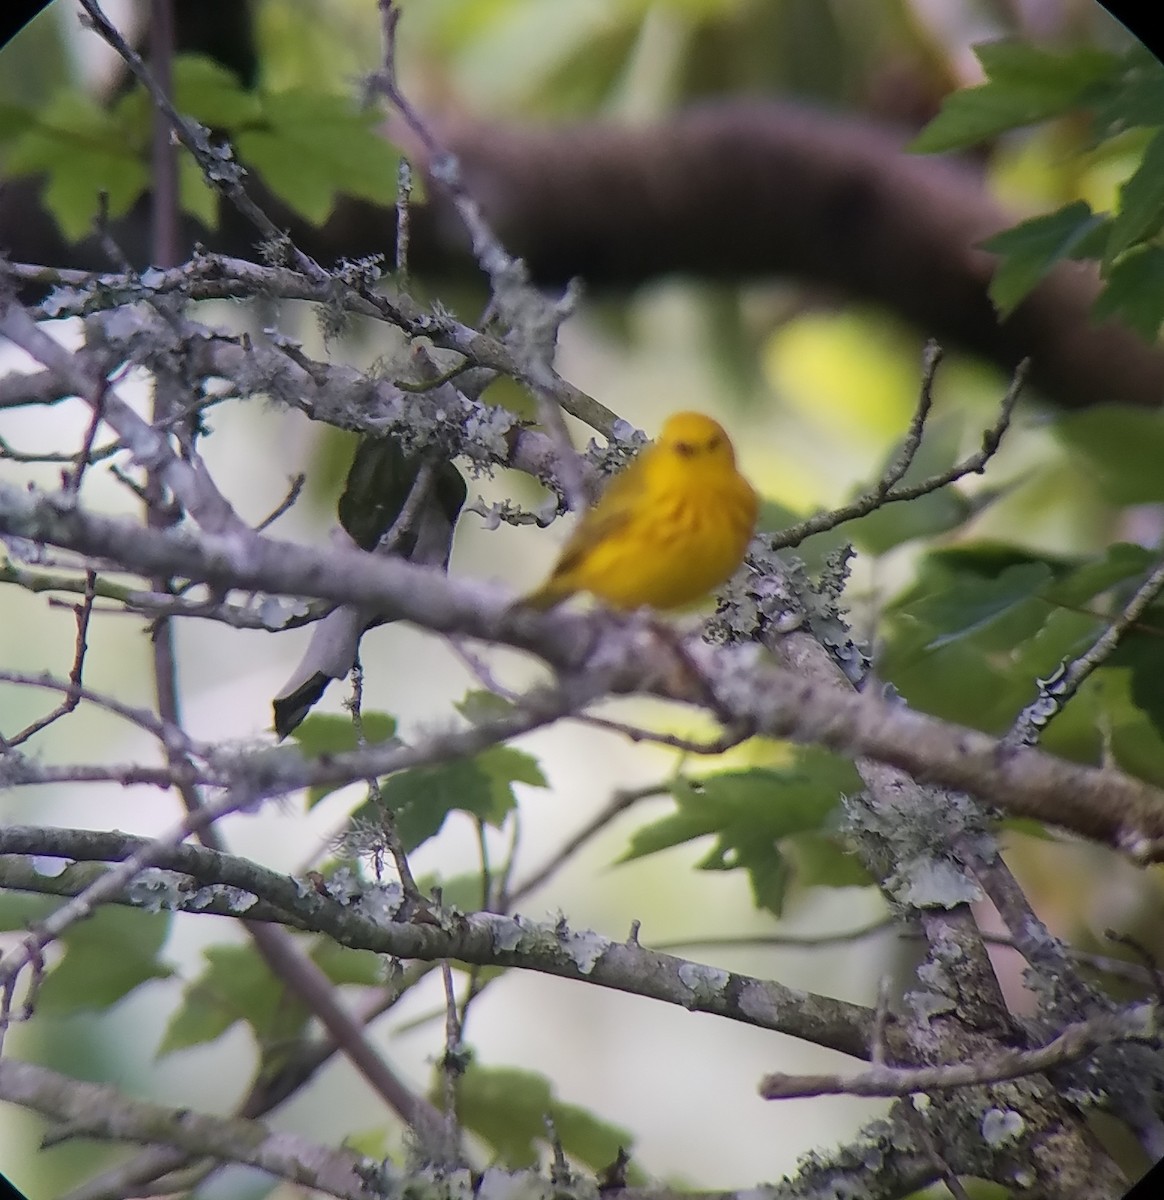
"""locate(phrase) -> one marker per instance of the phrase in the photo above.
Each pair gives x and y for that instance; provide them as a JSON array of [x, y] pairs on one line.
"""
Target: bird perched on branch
[[669, 528], [380, 490]]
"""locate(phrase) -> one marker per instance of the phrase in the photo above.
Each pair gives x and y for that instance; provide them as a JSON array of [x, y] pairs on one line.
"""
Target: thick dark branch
[[731, 192]]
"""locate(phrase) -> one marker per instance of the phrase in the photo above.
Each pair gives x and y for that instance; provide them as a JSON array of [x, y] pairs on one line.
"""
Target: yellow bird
[[669, 528]]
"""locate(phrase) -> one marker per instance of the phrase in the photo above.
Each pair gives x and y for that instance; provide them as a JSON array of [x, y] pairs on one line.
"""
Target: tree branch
[[365, 919], [1137, 1024], [1101, 804], [101, 1111]]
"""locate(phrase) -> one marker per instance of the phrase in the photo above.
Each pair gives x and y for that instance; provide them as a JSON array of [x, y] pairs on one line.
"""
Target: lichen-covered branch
[[1140, 1023], [615, 655], [362, 917], [101, 1111]]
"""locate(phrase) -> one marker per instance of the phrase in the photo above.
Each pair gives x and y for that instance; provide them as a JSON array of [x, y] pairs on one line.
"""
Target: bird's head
[[695, 439]]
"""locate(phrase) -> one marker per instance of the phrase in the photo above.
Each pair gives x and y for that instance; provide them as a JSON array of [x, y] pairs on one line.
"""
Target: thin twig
[[29, 950], [1105, 964], [84, 456], [1151, 965], [726, 741], [74, 690], [884, 492], [386, 818], [167, 735], [532, 318], [403, 219], [217, 163], [1137, 1024], [252, 615], [452, 1065], [1063, 684], [216, 276], [931, 358], [780, 941], [10, 454], [621, 801], [297, 482]]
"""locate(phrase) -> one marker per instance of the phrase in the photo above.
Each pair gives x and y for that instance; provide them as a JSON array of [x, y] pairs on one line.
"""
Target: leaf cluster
[[1121, 95], [306, 145]]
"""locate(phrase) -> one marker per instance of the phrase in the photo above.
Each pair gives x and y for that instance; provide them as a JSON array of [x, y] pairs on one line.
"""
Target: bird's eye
[[684, 449], [715, 443]]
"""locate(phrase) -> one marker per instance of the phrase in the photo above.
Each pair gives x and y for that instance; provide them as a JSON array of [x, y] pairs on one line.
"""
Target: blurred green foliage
[[1118, 93], [509, 1110], [308, 146]]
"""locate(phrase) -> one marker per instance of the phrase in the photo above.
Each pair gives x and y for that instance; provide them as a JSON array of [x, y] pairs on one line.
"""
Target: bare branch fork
[[889, 488]]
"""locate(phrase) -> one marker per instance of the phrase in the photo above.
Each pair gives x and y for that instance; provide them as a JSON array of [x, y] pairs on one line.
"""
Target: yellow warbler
[[670, 527]]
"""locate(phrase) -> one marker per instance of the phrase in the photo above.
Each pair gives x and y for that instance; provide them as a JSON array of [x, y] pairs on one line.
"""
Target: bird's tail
[[549, 595], [330, 654]]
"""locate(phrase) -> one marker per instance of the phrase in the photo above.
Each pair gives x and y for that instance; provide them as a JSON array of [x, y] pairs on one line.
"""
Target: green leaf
[[822, 860], [82, 151], [1120, 447], [1030, 249], [1014, 60], [314, 147], [1026, 85], [937, 512], [106, 957], [479, 707], [195, 196], [1142, 651], [211, 94], [482, 786], [974, 115], [971, 604], [341, 964], [236, 985], [507, 1108], [15, 119], [1119, 563], [893, 524], [951, 640], [957, 682], [1135, 291], [506, 765], [208, 94], [748, 813], [422, 798], [1134, 99], [1140, 211], [332, 733], [19, 910], [1122, 732]]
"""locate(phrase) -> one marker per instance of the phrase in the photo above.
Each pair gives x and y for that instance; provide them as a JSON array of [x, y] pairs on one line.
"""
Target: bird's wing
[[335, 640], [611, 514], [595, 527]]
